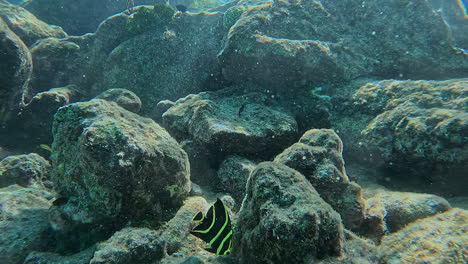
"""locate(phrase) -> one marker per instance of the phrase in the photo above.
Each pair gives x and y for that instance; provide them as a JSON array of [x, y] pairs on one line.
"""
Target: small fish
[[215, 228], [46, 147], [463, 4], [181, 8]]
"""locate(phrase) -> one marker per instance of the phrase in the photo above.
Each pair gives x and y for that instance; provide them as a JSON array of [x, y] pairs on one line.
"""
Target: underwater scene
[[234, 132]]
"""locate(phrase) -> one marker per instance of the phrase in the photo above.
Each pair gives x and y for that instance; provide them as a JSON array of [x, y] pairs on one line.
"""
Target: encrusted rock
[[114, 165], [77, 17], [27, 26], [16, 70], [233, 174], [24, 219], [38, 115], [123, 97], [317, 155], [418, 129], [82, 257], [130, 245], [438, 239], [24, 170], [231, 121], [284, 220], [388, 212], [287, 44], [168, 61]]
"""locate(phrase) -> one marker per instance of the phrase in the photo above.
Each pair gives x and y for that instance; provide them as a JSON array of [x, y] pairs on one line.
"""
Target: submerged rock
[[317, 155], [82, 257], [169, 61], [438, 239], [233, 173], [288, 44], [24, 170], [123, 97], [16, 69], [231, 122], [115, 166], [24, 219], [38, 115], [416, 129], [27, 26], [77, 17], [388, 212], [130, 245], [283, 219]]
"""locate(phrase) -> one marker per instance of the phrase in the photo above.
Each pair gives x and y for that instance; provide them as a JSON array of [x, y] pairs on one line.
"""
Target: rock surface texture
[[115, 165]]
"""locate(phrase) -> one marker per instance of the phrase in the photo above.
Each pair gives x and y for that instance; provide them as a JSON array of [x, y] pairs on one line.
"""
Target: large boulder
[[78, 17], [38, 115], [111, 165], [438, 239], [23, 222], [294, 43], [123, 97], [284, 220], [416, 129], [233, 174], [16, 68], [24, 170], [26, 25], [317, 155], [231, 121], [388, 212], [169, 60]]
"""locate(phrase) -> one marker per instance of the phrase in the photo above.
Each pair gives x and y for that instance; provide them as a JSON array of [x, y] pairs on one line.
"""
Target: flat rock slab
[[229, 122]]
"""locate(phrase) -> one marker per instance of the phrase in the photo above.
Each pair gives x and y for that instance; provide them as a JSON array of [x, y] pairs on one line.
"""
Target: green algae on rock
[[318, 155], [284, 220], [116, 166]]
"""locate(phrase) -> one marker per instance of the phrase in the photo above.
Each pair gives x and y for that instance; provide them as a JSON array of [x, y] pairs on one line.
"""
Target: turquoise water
[[209, 131]]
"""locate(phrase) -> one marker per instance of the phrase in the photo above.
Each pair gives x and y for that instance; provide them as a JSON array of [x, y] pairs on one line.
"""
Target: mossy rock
[[147, 18]]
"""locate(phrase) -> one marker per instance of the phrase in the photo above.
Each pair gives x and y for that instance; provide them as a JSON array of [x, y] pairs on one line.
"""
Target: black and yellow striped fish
[[215, 228]]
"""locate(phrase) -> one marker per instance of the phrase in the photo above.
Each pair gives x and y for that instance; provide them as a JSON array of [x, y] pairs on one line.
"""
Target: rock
[[54, 59], [16, 68], [24, 170], [230, 121], [169, 61], [23, 221], [160, 109], [82, 257], [233, 174], [453, 14], [292, 44], [437, 239], [38, 115], [123, 97], [130, 245], [175, 232], [317, 155], [388, 212], [418, 130], [115, 166], [283, 219], [26, 26], [80, 17]]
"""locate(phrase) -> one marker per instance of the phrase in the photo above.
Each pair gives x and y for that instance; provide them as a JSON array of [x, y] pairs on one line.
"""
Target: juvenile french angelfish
[[214, 228]]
